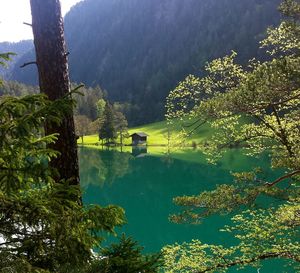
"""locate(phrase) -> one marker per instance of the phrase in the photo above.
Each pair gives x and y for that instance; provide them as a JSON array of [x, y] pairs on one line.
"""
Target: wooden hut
[[139, 138]]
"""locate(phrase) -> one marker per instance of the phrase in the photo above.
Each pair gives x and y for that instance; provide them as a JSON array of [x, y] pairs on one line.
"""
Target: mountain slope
[[20, 48], [138, 50]]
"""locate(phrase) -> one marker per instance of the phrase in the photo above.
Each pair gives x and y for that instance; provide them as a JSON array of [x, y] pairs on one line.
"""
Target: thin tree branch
[[27, 24], [192, 124], [251, 260], [268, 125], [283, 136], [286, 100], [29, 63], [197, 127], [241, 141], [282, 178]]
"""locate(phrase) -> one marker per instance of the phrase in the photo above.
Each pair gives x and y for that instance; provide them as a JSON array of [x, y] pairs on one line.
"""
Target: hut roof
[[141, 134]]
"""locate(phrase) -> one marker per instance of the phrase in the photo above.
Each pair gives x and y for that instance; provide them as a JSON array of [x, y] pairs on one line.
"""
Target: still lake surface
[[144, 185]]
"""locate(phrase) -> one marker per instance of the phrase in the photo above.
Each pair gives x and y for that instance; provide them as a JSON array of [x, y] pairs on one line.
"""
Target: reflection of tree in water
[[102, 166], [167, 159], [139, 151]]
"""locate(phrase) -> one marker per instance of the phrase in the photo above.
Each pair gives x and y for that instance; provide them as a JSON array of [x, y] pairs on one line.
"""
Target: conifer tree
[[107, 131], [51, 60], [42, 226]]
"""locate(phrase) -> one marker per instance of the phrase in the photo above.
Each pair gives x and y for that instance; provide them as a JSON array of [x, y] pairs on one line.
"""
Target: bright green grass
[[158, 134], [158, 140]]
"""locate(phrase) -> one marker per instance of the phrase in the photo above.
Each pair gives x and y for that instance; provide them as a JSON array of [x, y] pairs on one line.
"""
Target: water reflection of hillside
[[102, 166]]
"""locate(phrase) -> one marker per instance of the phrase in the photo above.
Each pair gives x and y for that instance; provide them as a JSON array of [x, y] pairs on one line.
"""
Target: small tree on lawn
[[82, 125], [107, 131], [100, 106], [121, 125]]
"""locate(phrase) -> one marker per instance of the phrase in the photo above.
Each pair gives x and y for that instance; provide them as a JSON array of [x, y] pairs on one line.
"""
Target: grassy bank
[[160, 133], [158, 140]]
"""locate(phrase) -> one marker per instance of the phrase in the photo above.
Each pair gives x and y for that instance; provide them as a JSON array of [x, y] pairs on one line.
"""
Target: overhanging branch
[[282, 178], [252, 260]]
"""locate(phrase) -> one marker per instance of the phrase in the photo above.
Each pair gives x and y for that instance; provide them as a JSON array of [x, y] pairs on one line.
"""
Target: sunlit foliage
[[255, 108]]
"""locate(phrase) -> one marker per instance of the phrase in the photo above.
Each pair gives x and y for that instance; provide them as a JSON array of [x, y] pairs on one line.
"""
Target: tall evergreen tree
[[42, 226], [107, 131], [51, 60]]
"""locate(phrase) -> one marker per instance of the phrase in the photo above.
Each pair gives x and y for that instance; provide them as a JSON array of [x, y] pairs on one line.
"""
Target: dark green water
[[145, 186]]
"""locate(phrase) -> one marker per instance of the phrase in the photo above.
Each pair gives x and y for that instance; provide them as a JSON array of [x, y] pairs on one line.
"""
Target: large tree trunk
[[51, 58]]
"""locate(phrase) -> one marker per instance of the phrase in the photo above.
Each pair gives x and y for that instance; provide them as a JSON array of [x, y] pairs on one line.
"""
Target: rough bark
[[51, 59]]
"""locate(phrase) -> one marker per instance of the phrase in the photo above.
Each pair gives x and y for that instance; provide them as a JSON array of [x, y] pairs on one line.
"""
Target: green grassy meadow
[[159, 134], [157, 144]]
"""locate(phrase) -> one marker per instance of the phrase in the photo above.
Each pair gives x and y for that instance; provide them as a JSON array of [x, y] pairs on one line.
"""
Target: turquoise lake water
[[145, 185]]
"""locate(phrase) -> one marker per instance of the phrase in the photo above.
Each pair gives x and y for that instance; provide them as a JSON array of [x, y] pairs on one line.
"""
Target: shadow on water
[[145, 186]]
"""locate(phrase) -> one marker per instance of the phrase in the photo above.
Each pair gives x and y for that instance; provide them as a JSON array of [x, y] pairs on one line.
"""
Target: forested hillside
[[19, 48], [138, 50]]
